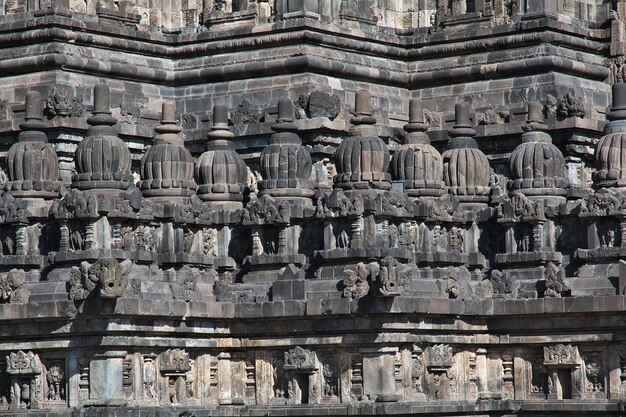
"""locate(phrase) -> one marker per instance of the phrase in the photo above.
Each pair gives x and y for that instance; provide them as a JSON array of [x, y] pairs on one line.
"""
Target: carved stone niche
[[302, 370], [230, 14], [291, 9], [379, 374], [25, 370], [12, 288], [173, 366], [603, 212], [149, 378], [595, 386], [563, 364], [439, 361], [413, 378], [54, 381]]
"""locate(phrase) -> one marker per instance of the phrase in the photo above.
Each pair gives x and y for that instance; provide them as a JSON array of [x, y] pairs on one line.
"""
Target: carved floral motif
[[74, 204], [355, 283], [11, 287], [503, 286], [131, 110], [185, 285], [299, 358], [21, 363], [266, 210], [54, 378], [174, 360], [601, 203], [555, 284], [560, 354], [439, 356], [12, 209], [571, 105], [60, 103], [196, 211], [246, 114]]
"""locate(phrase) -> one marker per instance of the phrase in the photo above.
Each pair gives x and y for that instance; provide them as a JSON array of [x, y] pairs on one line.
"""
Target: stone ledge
[[533, 407], [318, 307]]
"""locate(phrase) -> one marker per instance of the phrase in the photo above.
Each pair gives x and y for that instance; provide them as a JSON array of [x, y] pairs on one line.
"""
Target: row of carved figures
[[203, 15], [304, 376]]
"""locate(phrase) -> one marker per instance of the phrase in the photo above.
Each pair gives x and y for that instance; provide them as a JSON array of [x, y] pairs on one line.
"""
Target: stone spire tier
[[220, 171], [536, 166], [417, 163], [167, 167], [102, 159], [33, 166], [285, 164], [466, 169], [362, 159], [610, 155]]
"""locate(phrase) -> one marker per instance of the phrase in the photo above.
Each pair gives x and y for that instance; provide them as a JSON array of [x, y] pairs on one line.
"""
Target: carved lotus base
[[105, 188], [220, 192], [225, 200], [166, 193], [347, 186], [286, 192], [40, 189], [425, 192]]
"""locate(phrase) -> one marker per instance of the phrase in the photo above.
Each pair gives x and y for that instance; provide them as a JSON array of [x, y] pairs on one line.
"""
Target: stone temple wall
[[312, 207]]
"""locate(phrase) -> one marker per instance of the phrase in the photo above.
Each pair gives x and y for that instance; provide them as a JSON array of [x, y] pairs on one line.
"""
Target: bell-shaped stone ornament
[[285, 164], [33, 166], [610, 154], [536, 166], [220, 171], [466, 170], [417, 163], [167, 168], [102, 159], [362, 159]]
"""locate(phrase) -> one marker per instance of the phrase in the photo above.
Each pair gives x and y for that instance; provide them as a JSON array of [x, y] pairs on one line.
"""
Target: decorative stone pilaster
[[25, 370], [563, 364], [173, 366], [302, 369], [439, 361]]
